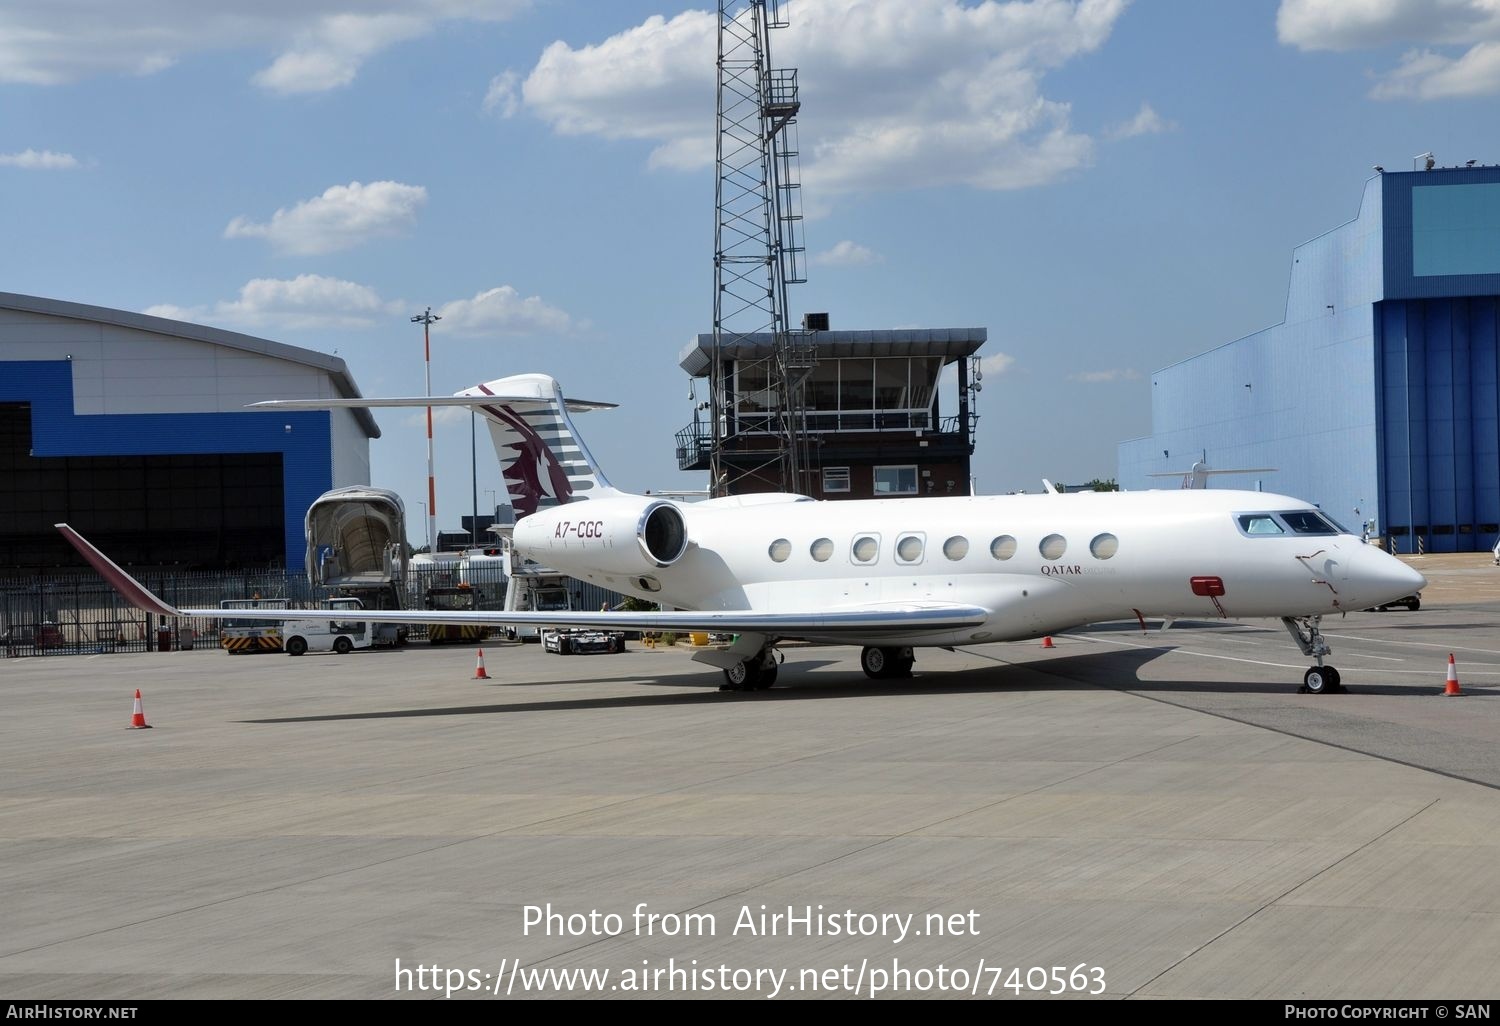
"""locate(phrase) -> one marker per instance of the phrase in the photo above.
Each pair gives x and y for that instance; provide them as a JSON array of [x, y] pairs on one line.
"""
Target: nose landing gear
[[1319, 679]]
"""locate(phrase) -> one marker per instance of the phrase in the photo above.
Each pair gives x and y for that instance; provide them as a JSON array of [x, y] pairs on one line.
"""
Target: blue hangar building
[[134, 429], [1378, 397]]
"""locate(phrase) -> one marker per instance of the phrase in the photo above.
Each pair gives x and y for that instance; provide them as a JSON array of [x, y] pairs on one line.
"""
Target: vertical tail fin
[[542, 458]]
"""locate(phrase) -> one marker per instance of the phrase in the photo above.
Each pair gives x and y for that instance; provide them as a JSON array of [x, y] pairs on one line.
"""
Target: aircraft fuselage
[[1038, 563]]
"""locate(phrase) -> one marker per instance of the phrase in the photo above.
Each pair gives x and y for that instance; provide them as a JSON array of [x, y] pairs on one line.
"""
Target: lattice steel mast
[[757, 253]]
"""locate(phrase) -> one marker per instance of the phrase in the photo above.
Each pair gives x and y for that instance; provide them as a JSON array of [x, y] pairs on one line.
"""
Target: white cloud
[[1145, 122], [308, 301], [312, 301], [342, 217], [502, 311], [1425, 75], [997, 363], [39, 160], [1470, 28], [847, 254], [328, 54], [1362, 24], [502, 95], [900, 93], [318, 44], [1100, 376], [991, 366]]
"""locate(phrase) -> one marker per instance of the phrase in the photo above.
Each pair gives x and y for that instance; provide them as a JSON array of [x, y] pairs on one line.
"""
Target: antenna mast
[[757, 253]]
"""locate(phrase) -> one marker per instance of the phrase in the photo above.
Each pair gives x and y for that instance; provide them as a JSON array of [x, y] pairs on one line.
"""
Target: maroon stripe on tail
[[132, 590]]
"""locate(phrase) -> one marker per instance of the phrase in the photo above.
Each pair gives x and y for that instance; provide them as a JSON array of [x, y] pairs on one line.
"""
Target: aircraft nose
[[1379, 577]]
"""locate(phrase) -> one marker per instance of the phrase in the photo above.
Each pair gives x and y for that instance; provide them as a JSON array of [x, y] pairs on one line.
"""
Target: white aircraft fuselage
[[1037, 564]]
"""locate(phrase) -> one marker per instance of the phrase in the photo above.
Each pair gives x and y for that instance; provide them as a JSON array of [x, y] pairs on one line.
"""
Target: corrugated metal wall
[[1440, 415]]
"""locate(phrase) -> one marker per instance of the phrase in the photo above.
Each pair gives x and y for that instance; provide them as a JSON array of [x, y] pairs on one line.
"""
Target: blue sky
[[1107, 186]]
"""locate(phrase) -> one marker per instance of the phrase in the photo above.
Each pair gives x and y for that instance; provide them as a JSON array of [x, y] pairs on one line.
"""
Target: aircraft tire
[[742, 676], [767, 677], [1317, 680], [876, 662]]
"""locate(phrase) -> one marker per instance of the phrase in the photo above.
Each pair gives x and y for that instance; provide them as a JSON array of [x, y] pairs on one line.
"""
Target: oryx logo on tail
[[533, 476], [542, 459]]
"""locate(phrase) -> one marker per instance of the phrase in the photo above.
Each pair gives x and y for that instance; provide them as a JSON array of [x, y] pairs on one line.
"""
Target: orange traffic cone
[[1452, 686], [138, 717], [1047, 642], [479, 673]]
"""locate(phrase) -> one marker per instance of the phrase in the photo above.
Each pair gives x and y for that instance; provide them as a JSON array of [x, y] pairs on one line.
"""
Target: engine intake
[[663, 534]]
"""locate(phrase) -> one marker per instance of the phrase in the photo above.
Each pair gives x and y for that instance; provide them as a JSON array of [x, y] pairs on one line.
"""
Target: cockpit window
[[1260, 523], [1305, 521], [1296, 521]]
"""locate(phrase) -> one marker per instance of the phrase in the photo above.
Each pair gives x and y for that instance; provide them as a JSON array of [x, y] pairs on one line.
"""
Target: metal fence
[[79, 614]]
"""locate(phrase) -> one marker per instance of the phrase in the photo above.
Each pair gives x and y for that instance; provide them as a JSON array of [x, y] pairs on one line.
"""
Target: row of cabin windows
[[910, 548]]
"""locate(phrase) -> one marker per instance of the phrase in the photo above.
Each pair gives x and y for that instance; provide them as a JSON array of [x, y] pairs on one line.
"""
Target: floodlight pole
[[425, 320]]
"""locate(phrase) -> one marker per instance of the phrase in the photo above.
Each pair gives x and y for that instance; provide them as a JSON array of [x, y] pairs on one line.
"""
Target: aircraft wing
[[574, 405], [911, 616]]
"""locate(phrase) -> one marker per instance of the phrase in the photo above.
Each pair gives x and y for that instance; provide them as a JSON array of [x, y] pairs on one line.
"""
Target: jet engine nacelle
[[622, 534]]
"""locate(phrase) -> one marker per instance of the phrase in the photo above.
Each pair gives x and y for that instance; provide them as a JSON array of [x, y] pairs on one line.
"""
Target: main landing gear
[[1320, 679], [754, 674], [883, 663]]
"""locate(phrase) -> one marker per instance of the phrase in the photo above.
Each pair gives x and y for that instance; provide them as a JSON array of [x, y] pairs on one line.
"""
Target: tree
[[1100, 485]]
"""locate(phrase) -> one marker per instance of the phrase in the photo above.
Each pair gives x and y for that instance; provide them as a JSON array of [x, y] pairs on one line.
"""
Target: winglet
[[131, 589]]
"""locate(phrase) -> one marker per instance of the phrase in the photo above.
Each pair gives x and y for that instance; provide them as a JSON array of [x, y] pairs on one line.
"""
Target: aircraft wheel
[[1316, 681], [874, 662], [343, 646], [767, 677], [296, 646], [1335, 682], [741, 676], [903, 664]]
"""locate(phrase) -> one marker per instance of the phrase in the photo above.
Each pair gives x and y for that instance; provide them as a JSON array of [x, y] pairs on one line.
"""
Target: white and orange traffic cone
[[1451, 688], [138, 717], [479, 673], [1047, 642]]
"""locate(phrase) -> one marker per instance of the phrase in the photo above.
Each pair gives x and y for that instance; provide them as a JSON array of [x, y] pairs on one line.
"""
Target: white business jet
[[891, 575]]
